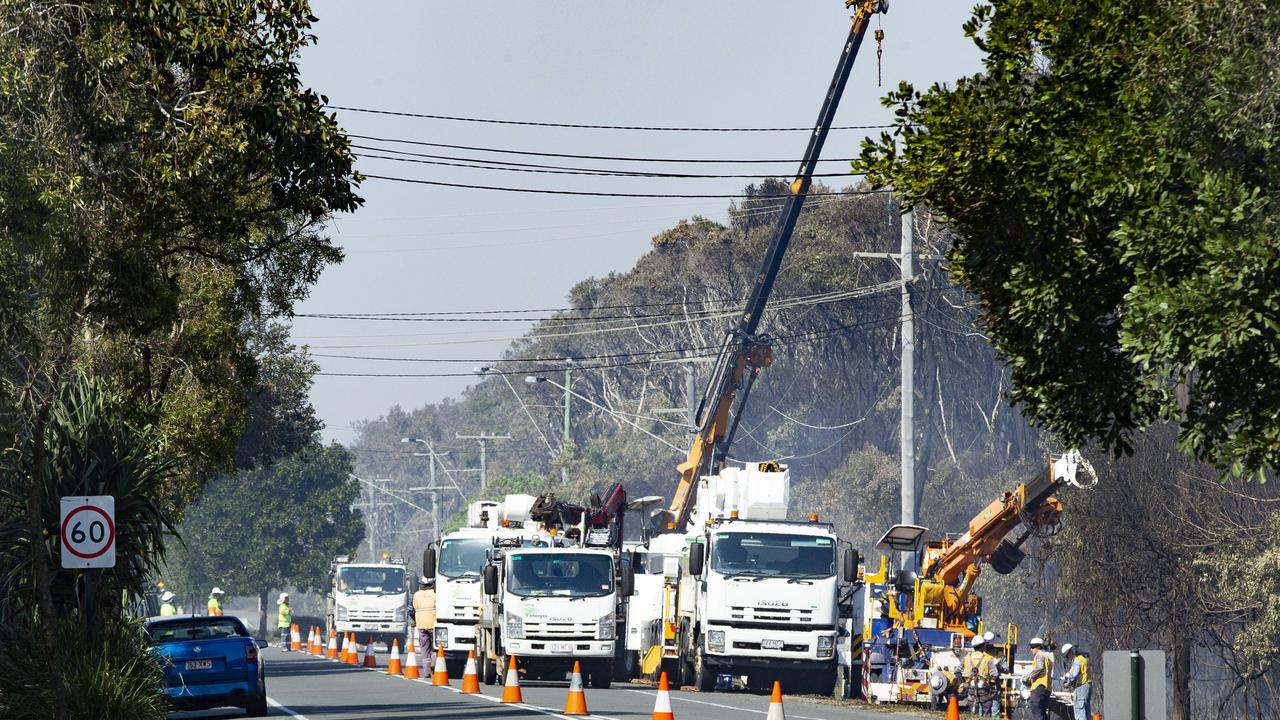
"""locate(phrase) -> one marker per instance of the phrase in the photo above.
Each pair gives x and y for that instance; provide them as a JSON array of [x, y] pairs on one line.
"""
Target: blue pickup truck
[[209, 662]]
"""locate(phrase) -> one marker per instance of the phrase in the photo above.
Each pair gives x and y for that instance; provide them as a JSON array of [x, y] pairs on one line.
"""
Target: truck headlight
[[342, 613], [715, 641], [826, 646], [606, 627], [441, 636], [515, 627], [399, 614]]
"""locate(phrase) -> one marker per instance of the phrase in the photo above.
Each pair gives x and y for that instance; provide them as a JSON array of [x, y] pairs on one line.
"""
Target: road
[[310, 688]]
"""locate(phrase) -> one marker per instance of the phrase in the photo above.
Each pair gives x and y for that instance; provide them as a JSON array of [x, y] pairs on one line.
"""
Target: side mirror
[[490, 575], [429, 562], [697, 558], [627, 583], [849, 567], [262, 644]]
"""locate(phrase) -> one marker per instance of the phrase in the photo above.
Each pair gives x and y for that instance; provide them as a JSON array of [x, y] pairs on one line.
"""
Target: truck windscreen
[[371, 580], [462, 557], [564, 575], [773, 554]]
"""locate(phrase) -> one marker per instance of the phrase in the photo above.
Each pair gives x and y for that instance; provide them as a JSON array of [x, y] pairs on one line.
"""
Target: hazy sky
[[686, 63]]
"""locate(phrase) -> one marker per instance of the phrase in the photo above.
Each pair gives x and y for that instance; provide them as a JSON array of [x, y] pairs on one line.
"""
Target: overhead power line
[[584, 126], [546, 191]]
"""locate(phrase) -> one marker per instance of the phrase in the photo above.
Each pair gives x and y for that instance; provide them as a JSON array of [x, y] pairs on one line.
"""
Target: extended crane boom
[[745, 353]]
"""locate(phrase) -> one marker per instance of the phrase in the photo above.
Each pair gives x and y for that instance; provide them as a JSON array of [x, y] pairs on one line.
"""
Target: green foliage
[[271, 528], [112, 677], [1110, 176]]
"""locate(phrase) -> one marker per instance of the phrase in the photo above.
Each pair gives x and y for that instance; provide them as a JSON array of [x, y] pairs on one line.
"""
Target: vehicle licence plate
[[771, 644], [561, 647], [199, 664], [371, 627]]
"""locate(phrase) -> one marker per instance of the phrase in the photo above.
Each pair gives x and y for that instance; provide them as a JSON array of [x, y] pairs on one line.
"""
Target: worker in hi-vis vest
[[1076, 679], [215, 601], [284, 620], [1039, 680], [167, 607]]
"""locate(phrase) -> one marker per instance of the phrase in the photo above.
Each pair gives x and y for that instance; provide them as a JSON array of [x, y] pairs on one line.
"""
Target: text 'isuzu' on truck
[[368, 599], [556, 596]]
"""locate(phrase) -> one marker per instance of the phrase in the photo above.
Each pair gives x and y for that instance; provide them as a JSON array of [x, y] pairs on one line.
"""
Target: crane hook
[[879, 52]]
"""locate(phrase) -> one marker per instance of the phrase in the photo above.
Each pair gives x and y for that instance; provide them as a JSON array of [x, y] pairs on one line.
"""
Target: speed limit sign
[[88, 531]]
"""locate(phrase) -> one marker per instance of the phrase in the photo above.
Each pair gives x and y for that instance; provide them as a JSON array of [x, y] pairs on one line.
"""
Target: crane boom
[[745, 353]]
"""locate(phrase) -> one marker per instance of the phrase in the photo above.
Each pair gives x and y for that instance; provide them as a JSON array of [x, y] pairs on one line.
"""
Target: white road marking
[[274, 704]]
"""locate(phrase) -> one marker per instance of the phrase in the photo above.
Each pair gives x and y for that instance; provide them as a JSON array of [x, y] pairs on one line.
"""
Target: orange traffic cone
[[440, 674], [295, 638], [346, 648], [576, 703], [393, 662], [370, 656], [353, 657], [331, 651], [953, 709], [411, 670], [511, 689], [319, 642], [775, 703], [662, 704], [470, 679], [311, 641]]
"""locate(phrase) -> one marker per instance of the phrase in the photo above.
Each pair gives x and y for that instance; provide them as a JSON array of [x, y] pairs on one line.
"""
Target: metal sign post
[[88, 540]]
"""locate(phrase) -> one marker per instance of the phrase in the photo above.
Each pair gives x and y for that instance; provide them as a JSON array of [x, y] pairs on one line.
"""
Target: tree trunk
[[263, 597], [48, 618], [1181, 672]]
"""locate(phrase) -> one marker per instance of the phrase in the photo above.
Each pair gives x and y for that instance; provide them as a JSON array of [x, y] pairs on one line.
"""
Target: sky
[[417, 248]]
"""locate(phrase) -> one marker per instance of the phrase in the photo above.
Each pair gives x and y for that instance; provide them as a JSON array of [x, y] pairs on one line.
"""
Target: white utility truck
[[556, 595], [755, 596], [368, 599]]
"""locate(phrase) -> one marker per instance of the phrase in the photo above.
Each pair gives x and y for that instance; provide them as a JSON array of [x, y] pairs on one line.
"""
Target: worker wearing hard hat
[[1038, 680], [424, 615], [284, 620], [980, 672], [215, 601], [1076, 679], [167, 607]]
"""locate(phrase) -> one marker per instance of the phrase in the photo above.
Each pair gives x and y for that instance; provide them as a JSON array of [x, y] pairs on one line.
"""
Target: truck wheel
[[488, 670], [601, 676], [703, 678]]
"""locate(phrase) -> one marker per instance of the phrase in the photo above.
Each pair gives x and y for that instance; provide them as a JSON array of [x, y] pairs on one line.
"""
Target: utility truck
[[557, 594], [756, 597], [368, 599]]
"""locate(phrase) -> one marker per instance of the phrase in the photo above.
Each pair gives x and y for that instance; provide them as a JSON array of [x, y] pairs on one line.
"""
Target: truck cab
[[368, 599]]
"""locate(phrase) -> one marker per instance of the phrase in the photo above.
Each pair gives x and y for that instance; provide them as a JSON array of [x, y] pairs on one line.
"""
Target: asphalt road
[[309, 688]]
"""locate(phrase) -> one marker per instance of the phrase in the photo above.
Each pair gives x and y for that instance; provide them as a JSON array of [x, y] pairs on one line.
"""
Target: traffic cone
[[393, 662], [775, 703], [576, 703], [953, 709], [470, 679], [331, 651], [662, 704], [320, 643], [313, 641], [353, 657], [295, 638], [370, 657], [511, 689], [346, 648], [411, 671], [440, 674]]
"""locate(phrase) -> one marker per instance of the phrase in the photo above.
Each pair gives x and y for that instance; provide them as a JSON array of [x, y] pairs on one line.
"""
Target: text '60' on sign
[[88, 531]]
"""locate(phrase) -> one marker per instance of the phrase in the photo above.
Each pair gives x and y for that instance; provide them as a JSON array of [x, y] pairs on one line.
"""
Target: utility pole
[[907, 368], [564, 443], [483, 440]]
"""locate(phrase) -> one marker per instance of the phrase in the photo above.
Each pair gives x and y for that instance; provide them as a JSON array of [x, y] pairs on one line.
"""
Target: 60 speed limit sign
[[88, 531]]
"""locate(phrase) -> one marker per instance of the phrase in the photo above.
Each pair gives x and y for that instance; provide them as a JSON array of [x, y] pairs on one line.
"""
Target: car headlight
[[515, 627], [826, 646], [606, 627], [442, 637], [399, 614], [715, 641], [342, 613]]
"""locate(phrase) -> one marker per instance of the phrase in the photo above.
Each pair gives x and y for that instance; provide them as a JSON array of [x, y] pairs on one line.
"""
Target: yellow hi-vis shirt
[[215, 606], [424, 609], [167, 609], [284, 616], [1043, 660], [1084, 670]]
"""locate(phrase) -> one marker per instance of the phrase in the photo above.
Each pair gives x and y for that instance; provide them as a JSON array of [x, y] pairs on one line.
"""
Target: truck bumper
[[567, 649], [755, 647], [459, 638]]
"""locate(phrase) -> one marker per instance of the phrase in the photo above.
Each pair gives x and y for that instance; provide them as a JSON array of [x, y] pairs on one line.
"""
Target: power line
[[573, 156], [582, 126], [584, 193]]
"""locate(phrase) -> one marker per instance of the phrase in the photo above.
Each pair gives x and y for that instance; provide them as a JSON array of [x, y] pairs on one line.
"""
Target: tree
[[254, 531], [1111, 176]]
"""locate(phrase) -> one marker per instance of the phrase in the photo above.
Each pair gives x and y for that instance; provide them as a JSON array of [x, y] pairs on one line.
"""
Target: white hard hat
[[937, 682], [283, 596], [424, 580], [1036, 642], [167, 596], [1068, 648], [988, 636], [977, 642], [216, 591]]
